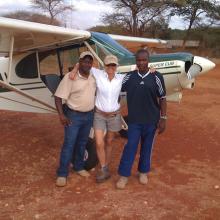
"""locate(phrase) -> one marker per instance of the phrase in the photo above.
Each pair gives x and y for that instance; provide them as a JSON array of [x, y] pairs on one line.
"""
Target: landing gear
[[91, 159]]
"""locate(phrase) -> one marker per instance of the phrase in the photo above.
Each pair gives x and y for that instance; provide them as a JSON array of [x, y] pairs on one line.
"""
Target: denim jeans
[[137, 132], [75, 139]]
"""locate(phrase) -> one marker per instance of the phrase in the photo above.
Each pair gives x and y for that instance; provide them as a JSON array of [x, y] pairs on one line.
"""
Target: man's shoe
[[61, 181], [83, 173], [143, 178], [103, 174], [122, 182]]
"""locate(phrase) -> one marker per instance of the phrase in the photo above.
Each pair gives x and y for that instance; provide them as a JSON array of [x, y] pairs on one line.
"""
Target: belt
[[107, 114], [70, 109], [80, 111]]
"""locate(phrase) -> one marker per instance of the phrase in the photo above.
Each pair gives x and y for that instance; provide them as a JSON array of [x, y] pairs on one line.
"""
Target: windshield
[[106, 45]]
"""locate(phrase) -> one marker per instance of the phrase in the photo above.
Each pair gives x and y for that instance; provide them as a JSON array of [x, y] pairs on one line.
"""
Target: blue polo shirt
[[143, 94]]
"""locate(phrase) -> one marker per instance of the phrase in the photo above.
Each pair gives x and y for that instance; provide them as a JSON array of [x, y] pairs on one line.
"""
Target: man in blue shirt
[[146, 99]]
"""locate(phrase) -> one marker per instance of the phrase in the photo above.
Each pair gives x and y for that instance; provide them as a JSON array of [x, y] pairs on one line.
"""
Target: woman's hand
[[152, 69], [74, 72]]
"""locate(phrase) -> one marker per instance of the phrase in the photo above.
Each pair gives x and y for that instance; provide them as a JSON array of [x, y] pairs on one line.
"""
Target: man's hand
[[64, 120], [161, 126], [74, 71]]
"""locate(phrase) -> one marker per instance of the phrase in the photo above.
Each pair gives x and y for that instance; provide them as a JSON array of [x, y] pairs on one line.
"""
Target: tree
[[159, 28], [115, 29], [135, 15], [52, 7], [28, 16], [196, 13]]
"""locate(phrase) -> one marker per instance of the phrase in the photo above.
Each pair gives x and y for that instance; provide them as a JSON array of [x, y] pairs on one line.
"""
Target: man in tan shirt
[[76, 115]]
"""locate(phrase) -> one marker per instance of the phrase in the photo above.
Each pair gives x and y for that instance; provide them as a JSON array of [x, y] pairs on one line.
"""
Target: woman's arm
[[74, 72]]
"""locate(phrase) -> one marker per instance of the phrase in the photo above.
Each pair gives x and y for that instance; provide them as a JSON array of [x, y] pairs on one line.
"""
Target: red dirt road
[[183, 183]]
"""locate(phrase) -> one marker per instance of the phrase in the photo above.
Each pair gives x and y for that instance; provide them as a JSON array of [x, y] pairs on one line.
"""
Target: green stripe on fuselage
[[171, 56], [156, 58]]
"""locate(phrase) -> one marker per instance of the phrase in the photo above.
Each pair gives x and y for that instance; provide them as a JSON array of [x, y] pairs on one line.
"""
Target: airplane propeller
[[201, 65]]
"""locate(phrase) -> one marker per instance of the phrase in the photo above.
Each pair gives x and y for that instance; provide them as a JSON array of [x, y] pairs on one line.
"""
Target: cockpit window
[[27, 67], [106, 45]]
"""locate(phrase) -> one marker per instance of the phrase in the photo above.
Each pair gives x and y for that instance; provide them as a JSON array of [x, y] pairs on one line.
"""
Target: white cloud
[[177, 23], [87, 14], [13, 5]]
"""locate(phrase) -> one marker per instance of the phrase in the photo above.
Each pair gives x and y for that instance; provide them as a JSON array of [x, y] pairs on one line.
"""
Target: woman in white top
[[107, 118]]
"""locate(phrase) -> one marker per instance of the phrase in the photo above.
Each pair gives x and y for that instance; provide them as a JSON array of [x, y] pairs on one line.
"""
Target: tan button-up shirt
[[79, 94]]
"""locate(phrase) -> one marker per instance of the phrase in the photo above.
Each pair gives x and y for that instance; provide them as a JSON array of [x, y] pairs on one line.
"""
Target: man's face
[[142, 62], [85, 64]]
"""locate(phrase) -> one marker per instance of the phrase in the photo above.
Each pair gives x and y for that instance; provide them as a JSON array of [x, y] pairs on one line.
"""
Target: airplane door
[[50, 70]]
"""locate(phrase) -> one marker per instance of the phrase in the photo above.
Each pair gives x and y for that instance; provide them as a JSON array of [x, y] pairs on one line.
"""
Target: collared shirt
[[78, 94], [143, 92], [108, 91]]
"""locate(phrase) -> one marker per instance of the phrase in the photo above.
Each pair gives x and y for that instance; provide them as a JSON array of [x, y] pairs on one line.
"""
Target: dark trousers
[[137, 132], [75, 139]]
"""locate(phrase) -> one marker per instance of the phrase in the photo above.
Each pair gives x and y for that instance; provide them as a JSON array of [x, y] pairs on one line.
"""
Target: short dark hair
[[140, 51]]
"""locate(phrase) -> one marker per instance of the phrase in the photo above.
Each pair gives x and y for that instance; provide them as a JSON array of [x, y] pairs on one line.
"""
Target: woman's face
[[111, 68]]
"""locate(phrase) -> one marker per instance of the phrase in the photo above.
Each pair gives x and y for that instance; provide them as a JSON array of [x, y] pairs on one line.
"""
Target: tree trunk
[[192, 19], [134, 26]]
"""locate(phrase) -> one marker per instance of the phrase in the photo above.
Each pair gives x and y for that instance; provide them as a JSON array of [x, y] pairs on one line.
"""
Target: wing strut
[[10, 58], [26, 95], [94, 53]]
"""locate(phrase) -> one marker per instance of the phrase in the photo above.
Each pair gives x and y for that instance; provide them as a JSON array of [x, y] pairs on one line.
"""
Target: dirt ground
[[184, 182]]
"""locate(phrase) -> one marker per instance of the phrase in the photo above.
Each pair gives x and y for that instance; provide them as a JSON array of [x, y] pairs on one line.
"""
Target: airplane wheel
[[122, 132], [91, 159]]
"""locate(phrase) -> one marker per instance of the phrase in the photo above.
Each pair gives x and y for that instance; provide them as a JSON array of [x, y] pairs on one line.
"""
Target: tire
[[91, 159], [122, 132]]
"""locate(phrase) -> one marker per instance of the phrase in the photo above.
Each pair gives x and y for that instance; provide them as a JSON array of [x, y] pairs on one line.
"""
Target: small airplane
[[34, 58]]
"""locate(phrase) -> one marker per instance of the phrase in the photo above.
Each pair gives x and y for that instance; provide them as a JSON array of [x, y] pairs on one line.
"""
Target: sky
[[88, 12]]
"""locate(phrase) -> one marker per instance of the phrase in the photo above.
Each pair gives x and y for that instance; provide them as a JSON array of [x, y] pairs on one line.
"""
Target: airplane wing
[[30, 35], [132, 43]]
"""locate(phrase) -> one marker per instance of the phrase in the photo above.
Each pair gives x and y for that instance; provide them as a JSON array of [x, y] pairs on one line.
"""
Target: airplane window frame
[[27, 68]]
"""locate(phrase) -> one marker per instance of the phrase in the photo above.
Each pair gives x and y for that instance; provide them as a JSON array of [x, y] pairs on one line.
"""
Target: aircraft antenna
[[71, 14]]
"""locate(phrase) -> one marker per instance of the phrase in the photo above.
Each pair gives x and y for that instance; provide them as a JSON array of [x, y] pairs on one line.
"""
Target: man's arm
[[63, 119], [163, 115], [125, 81], [161, 94]]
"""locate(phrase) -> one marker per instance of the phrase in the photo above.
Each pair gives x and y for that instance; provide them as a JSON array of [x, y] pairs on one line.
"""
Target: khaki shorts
[[107, 123]]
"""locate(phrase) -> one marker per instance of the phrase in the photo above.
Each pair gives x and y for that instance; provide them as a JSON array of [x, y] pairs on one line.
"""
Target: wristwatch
[[163, 117]]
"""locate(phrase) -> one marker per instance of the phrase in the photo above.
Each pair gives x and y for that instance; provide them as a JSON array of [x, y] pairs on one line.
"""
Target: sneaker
[[83, 173], [61, 181], [103, 174], [122, 182], [143, 178]]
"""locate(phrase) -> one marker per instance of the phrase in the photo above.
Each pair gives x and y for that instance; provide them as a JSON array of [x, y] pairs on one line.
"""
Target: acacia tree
[[34, 17], [196, 13], [52, 7], [135, 15]]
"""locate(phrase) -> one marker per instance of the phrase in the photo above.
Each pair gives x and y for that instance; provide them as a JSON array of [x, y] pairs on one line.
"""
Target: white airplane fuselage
[[179, 71]]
